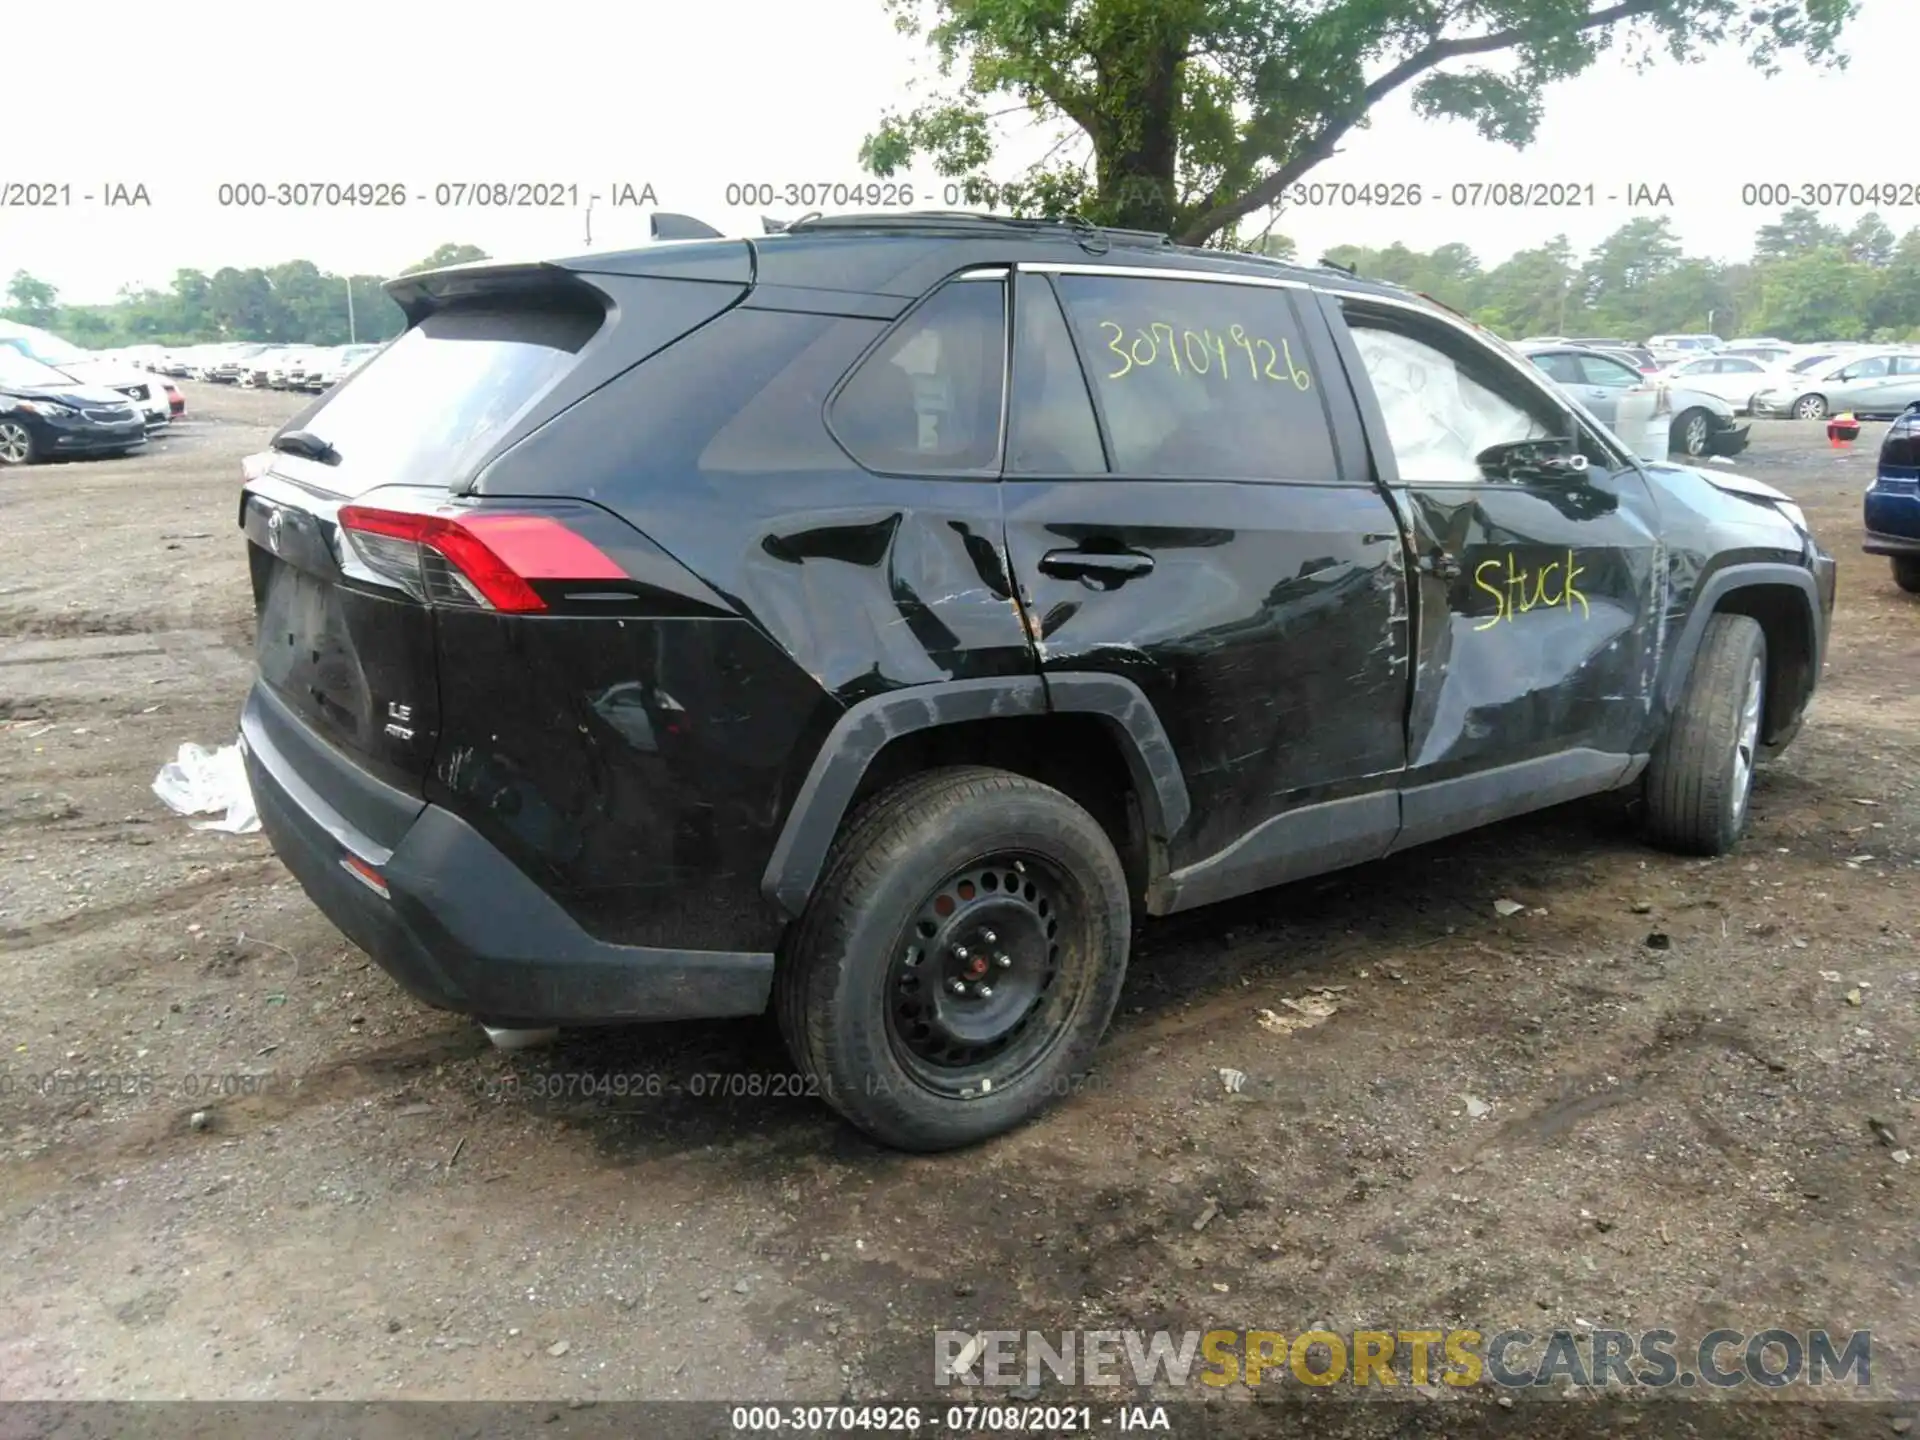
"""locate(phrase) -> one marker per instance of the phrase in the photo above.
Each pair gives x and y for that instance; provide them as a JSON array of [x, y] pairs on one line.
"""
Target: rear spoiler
[[418, 296]]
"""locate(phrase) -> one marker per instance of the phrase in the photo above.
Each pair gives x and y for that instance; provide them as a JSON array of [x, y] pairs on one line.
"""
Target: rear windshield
[[434, 403]]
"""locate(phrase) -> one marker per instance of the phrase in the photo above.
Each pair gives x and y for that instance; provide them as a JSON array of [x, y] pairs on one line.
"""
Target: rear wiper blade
[[308, 445]]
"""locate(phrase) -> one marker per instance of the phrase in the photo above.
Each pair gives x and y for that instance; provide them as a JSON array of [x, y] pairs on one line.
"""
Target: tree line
[[292, 303], [1805, 280]]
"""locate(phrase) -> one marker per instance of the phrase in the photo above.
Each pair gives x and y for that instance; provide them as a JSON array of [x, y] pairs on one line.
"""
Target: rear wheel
[[16, 443], [1810, 407], [1692, 429], [1906, 573], [1700, 780], [959, 960]]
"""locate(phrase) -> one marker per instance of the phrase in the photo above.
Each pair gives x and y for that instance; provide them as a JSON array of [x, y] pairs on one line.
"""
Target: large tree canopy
[[1191, 115]]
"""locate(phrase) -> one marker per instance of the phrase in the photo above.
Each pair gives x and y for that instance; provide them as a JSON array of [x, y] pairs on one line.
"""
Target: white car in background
[[1736, 379], [1824, 384], [91, 368]]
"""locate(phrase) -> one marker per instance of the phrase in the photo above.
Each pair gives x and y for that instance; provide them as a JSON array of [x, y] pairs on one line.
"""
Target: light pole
[[351, 336]]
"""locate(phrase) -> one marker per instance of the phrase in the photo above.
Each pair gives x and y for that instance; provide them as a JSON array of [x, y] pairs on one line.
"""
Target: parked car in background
[[228, 369], [337, 364], [270, 368], [1836, 384], [88, 367], [1638, 356], [1892, 510], [1765, 354], [1734, 378], [1704, 424], [1620, 397], [1669, 349], [45, 414]]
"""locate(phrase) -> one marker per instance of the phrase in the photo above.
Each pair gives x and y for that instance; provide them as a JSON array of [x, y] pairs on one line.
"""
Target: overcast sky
[[690, 99]]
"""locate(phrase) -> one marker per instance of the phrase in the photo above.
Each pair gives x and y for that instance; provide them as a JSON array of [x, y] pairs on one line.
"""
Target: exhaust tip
[[509, 1039]]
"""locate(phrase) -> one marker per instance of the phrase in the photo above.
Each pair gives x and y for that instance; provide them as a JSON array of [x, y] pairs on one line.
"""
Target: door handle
[[1093, 565]]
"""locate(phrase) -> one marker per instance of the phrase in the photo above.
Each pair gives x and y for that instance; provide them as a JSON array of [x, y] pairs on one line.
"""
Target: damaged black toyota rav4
[[874, 620]]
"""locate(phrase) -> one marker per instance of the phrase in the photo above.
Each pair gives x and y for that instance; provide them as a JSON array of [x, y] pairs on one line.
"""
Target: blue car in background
[[1893, 501]]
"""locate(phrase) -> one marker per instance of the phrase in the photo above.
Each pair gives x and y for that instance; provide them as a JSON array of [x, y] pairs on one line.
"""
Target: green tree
[[1796, 230], [1895, 312], [34, 300], [1191, 115], [1534, 292], [448, 254], [1817, 295], [1870, 241]]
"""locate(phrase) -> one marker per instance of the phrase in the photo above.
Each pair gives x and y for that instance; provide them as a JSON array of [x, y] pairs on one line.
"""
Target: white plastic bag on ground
[[200, 781]]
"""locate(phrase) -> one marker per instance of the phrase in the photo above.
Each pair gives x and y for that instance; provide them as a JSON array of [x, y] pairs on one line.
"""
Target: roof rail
[[668, 226], [1090, 236]]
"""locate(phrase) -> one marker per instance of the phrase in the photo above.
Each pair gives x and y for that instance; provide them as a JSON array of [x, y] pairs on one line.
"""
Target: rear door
[[1204, 528], [1538, 601]]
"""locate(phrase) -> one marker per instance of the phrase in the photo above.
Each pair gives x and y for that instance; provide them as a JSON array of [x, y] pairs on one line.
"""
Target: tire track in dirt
[[82, 922]]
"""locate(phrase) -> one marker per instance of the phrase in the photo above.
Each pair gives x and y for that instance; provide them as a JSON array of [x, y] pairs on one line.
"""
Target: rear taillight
[[477, 561]]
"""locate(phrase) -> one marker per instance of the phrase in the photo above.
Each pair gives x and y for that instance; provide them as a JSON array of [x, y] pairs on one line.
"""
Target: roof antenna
[[1332, 264]]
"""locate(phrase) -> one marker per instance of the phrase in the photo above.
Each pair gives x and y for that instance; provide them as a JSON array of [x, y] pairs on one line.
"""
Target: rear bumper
[[1879, 544], [462, 928], [1892, 517]]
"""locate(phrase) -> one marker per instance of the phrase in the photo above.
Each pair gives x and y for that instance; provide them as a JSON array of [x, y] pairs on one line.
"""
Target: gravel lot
[[1672, 1137]]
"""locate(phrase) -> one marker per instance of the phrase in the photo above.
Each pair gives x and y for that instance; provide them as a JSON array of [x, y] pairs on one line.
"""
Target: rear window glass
[[429, 408], [928, 401], [1200, 380]]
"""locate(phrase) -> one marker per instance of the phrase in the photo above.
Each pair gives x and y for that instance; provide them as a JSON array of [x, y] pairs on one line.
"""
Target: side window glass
[[1200, 380], [1052, 430], [1563, 368], [927, 402], [1907, 365], [1600, 371], [1444, 406], [1867, 369]]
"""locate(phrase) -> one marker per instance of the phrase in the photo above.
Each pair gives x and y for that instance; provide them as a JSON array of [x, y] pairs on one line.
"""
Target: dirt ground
[[1669, 1135]]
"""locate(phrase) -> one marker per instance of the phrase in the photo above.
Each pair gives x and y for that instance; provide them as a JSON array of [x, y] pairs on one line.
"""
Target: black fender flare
[[814, 818], [1745, 575]]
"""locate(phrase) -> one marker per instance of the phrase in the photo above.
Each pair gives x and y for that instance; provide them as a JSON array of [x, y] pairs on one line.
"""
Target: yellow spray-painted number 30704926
[[1205, 353]]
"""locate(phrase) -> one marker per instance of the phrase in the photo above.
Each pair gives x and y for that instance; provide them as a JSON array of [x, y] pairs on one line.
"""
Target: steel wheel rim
[[1746, 743], [14, 443], [1695, 435], [1003, 924]]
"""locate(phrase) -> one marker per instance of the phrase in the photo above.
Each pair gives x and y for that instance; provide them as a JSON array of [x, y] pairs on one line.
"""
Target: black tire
[[1809, 407], [1700, 780], [1692, 431], [16, 444], [1906, 573], [956, 852]]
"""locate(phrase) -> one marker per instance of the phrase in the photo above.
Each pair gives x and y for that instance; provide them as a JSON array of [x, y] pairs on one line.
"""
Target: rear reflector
[[479, 561], [365, 874]]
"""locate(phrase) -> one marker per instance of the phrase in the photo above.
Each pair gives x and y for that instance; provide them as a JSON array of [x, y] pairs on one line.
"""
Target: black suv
[[875, 619]]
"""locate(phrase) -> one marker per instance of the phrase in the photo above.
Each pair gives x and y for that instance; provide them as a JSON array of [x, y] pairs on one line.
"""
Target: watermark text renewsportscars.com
[[1383, 1359]]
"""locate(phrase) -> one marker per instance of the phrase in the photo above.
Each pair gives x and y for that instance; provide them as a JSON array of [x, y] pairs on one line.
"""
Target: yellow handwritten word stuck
[[1203, 353], [1516, 589]]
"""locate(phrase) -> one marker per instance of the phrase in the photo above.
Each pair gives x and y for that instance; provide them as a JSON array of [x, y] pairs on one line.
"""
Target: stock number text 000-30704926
[[1205, 353]]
